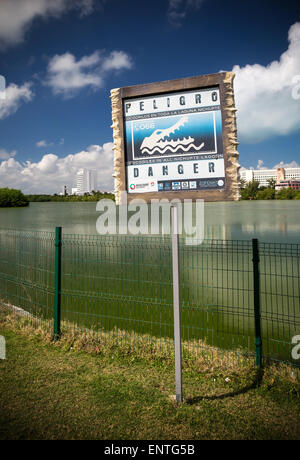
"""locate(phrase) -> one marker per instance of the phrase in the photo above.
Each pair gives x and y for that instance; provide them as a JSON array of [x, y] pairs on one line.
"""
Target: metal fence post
[[57, 282], [256, 286], [176, 304]]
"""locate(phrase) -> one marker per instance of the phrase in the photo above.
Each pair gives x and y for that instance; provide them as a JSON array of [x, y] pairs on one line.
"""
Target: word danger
[[211, 168]]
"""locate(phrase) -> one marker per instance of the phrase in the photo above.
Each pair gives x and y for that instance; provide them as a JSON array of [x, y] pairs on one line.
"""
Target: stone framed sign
[[176, 139]]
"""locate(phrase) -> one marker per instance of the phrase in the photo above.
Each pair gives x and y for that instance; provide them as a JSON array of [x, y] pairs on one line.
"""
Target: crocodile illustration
[[158, 141]]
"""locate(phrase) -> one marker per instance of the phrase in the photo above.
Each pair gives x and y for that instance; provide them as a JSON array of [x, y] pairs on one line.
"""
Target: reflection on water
[[276, 221], [269, 221]]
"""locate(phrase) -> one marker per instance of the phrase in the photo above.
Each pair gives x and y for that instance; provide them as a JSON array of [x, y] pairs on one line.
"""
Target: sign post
[[176, 140], [57, 283], [176, 304]]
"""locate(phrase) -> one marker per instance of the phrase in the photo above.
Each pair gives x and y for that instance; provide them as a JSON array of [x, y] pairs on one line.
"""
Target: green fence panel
[[120, 287]]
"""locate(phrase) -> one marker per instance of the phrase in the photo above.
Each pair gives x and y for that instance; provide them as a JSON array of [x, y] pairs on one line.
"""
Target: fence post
[[176, 303], [57, 282], [256, 286]]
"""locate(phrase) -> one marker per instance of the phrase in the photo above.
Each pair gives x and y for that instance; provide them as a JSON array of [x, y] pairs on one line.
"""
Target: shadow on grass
[[254, 384]]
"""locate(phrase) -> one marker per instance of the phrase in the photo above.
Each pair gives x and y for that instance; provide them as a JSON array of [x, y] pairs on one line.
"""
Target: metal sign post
[[176, 304], [57, 283]]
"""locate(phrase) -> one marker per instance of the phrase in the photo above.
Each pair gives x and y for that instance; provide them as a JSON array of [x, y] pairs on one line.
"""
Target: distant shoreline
[[93, 197]]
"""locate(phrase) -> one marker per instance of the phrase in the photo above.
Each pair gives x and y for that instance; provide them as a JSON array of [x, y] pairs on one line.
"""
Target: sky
[[59, 60]]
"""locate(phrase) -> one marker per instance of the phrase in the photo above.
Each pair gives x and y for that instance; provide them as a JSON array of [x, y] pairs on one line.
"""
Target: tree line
[[252, 191], [93, 196], [12, 198]]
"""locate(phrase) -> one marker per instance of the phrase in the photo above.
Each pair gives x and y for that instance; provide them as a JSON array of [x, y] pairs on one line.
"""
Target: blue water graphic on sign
[[184, 134]]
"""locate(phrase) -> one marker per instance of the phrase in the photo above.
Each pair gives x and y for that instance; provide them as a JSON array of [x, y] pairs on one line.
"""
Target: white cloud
[[14, 96], [66, 75], [5, 155], [17, 15], [43, 143], [292, 164], [264, 95], [260, 165], [177, 10], [116, 60], [51, 173]]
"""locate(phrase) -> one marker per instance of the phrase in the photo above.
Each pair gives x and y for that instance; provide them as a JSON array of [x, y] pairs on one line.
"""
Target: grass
[[84, 387]]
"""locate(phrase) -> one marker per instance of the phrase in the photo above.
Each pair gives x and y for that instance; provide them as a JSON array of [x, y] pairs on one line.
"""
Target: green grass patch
[[86, 387]]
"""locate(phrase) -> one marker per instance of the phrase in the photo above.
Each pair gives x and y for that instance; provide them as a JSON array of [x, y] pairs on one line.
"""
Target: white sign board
[[173, 142]]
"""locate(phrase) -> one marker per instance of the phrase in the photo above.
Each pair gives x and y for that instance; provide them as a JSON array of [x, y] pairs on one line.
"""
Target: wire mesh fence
[[280, 298], [121, 288], [120, 285], [217, 295], [27, 273]]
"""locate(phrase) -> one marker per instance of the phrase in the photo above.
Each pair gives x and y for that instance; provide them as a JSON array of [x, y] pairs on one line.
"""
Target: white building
[[86, 181], [263, 175], [292, 173]]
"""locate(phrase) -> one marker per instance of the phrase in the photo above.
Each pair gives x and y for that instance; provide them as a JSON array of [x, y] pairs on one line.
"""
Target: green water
[[275, 221], [121, 283]]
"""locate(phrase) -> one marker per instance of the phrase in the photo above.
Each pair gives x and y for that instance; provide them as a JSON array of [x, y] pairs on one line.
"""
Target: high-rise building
[[86, 181]]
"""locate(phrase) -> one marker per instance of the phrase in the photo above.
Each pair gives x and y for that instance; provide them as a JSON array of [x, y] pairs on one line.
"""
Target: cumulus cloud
[[264, 95], [66, 75], [17, 15], [282, 164], [14, 96], [5, 155], [51, 173], [177, 10], [117, 60], [292, 164]]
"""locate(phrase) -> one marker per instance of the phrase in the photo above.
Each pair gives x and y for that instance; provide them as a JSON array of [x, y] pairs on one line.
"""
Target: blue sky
[[60, 58]]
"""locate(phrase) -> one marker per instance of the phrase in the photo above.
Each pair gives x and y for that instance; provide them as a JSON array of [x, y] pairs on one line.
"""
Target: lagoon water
[[127, 283], [269, 221]]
